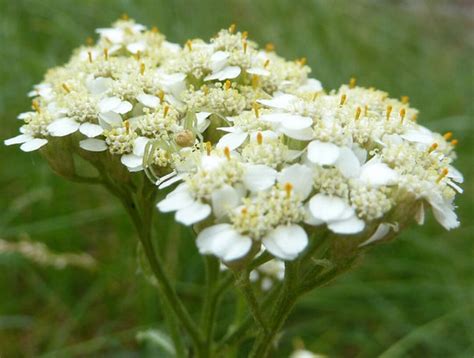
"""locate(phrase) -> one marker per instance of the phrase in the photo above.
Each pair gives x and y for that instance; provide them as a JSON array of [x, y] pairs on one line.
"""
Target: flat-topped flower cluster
[[261, 155]]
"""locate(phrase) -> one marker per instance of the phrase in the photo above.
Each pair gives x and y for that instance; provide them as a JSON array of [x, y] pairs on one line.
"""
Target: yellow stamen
[[433, 147], [343, 99], [454, 142], [267, 62], [36, 106], [315, 95], [403, 112], [352, 82], [358, 112], [142, 68], [245, 35], [208, 148], [389, 111], [259, 138], [189, 45], [442, 175], [244, 211], [66, 88], [89, 55], [244, 44], [205, 89], [127, 126], [138, 55], [256, 108], [288, 189], [405, 99], [227, 85], [366, 110], [302, 61], [255, 81], [269, 47], [125, 17], [227, 153], [155, 30], [448, 135], [106, 53], [89, 41], [161, 96], [165, 111], [232, 28]]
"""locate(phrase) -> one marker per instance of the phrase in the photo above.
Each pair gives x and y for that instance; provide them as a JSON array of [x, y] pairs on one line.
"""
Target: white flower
[[134, 160], [286, 241], [339, 216], [220, 70], [258, 177], [28, 142], [110, 111]]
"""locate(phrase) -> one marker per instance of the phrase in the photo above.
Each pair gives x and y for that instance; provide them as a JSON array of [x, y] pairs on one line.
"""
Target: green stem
[[210, 303]]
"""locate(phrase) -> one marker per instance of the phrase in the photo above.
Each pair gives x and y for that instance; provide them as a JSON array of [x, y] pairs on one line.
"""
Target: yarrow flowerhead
[[262, 157]]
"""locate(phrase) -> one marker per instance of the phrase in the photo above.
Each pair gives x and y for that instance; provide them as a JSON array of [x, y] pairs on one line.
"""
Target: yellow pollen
[[142, 68], [227, 153], [255, 81], [267, 62], [227, 85], [389, 111], [89, 41], [36, 106], [106, 53], [155, 30], [405, 99], [189, 45], [245, 35], [343, 99], [352, 82], [232, 28], [127, 126], [138, 55], [244, 211], [165, 111], [448, 135], [125, 17], [433, 147], [358, 112], [454, 142], [403, 112], [208, 148], [269, 47], [89, 55], [259, 138], [66, 88], [288, 189], [442, 175], [244, 44], [256, 108], [161, 96], [302, 61]]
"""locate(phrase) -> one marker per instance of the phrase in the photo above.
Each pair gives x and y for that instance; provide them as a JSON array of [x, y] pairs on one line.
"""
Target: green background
[[412, 298]]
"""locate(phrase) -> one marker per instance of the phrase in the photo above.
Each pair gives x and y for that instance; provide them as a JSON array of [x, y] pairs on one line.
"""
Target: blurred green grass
[[412, 298]]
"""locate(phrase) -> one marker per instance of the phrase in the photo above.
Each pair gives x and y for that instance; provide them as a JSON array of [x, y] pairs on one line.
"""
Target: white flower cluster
[[263, 154]]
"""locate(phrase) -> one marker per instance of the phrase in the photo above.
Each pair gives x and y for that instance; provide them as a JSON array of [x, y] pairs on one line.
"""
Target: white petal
[[223, 200], [218, 60], [382, 230], [304, 134], [99, 85], [420, 214], [169, 182], [323, 153], [445, 215], [311, 85], [139, 146], [259, 177], [19, 139], [33, 144], [135, 47], [111, 119], [148, 100], [224, 242], [91, 130], [282, 101], [232, 140], [378, 174], [301, 178], [132, 161], [258, 71], [348, 163], [226, 73], [296, 122], [193, 214], [202, 122], [123, 107], [114, 35], [93, 145], [286, 242], [175, 200], [353, 225], [109, 104], [309, 218], [328, 208], [63, 127], [266, 135], [418, 137], [455, 174]]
